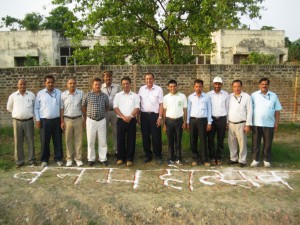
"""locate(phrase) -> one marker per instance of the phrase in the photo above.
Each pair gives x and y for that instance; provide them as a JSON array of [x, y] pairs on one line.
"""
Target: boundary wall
[[285, 80]]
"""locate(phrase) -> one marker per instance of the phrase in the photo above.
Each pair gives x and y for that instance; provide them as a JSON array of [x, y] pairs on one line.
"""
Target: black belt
[[237, 122], [180, 118], [218, 117], [72, 118], [23, 120], [150, 113], [97, 119], [200, 118]]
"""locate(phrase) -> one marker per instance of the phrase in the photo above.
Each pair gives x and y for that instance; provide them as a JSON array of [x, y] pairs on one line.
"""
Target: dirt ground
[[132, 196]]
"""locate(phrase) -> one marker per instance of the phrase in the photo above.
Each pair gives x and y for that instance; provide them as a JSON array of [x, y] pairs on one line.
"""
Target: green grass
[[285, 151]]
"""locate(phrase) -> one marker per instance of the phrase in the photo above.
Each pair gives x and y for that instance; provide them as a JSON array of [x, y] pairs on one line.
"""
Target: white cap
[[218, 80]]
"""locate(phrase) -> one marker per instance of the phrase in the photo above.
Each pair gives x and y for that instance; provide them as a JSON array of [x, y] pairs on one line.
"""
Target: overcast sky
[[281, 14]]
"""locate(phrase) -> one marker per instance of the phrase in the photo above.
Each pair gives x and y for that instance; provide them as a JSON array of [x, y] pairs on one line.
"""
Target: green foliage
[[32, 21], [267, 28], [30, 61], [294, 51], [59, 20], [11, 22], [45, 62], [151, 31], [259, 58]]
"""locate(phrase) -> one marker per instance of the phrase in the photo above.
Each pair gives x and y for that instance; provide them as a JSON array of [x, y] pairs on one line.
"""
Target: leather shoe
[[91, 163], [148, 160]]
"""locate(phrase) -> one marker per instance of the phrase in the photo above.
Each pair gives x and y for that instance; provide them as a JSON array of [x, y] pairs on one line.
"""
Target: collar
[[153, 87], [129, 93], [75, 92], [112, 85], [19, 93], [201, 95]]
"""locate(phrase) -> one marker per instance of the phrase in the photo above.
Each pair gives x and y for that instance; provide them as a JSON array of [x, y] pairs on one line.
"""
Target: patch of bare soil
[[130, 196]]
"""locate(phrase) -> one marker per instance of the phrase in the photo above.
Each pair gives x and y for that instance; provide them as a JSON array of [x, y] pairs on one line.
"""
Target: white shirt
[[174, 105], [240, 108], [71, 103], [199, 107], [21, 106], [110, 92], [219, 102], [151, 98], [126, 102]]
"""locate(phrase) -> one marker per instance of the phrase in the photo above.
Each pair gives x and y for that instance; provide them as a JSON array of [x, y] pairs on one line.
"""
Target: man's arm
[[277, 117]]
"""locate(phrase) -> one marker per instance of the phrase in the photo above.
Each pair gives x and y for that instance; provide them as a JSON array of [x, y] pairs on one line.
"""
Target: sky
[[280, 14]]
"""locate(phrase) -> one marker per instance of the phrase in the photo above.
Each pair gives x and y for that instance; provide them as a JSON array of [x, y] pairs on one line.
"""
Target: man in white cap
[[219, 101]]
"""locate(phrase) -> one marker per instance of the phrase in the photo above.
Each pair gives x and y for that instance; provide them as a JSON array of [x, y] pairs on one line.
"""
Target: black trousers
[[50, 128], [218, 127], [174, 134], [150, 130], [267, 134], [126, 136], [198, 129]]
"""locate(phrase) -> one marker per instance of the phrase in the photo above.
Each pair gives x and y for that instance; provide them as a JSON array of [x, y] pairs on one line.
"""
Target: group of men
[[203, 115]]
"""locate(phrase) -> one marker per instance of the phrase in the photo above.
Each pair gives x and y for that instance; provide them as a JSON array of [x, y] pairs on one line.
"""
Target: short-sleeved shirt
[[71, 103], [110, 92], [21, 106], [199, 107], [219, 103], [264, 108], [126, 102], [240, 108], [174, 105], [47, 104], [96, 105], [151, 98]]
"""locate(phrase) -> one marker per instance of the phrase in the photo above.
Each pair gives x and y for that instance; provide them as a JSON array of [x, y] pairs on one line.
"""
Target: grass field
[[285, 152]]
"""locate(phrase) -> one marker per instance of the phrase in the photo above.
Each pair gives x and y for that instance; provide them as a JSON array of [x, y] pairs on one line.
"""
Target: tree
[[32, 21], [294, 51], [259, 58], [267, 28], [60, 19], [153, 30], [11, 22]]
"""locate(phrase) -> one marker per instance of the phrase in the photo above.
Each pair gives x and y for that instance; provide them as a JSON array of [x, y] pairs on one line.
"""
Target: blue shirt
[[264, 108], [199, 107], [47, 105]]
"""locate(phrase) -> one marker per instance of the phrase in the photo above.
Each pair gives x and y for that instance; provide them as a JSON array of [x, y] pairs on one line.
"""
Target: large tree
[[153, 30]]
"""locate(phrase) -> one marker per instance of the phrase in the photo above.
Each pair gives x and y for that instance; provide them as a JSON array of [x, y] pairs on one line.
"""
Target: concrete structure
[[234, 45], [48, 48]]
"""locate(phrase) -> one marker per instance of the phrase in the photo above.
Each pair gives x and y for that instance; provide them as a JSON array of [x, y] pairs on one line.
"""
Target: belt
[[199, 118], [180, 118], [72, 118], [97, 119], [237, 122], [149, 113], [218, 117], [23, 120]]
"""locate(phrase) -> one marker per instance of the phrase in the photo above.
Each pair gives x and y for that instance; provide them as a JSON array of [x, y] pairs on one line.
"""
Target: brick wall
[[285, 80]]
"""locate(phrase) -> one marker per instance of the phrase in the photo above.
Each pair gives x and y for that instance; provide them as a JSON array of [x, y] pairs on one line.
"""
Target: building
[[234, 45], [46, 47]]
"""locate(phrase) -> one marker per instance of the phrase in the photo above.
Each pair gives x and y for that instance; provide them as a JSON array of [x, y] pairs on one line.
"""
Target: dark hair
[[96, 79], [126, 78], [107, 72], [237, 81], [49, 77], [198, 81], [149, 73], [172, 82], [264, 79]]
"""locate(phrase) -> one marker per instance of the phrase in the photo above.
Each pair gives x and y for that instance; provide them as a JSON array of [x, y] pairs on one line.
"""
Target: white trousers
[[237, 138], [94, 128]]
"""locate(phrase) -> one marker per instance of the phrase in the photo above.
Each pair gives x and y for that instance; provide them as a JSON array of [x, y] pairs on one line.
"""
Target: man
[[175, 112], [151, 97], [94, 107], [72, 122], [110, 89], [199, 123], [21, 105], [126, 106], [47, 116], [240, 120], [219, 102], [266, 114]]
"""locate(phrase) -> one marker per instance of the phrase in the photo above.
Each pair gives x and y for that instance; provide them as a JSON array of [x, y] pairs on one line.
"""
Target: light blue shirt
[[199, 107], [264, 108], [47, 105]]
